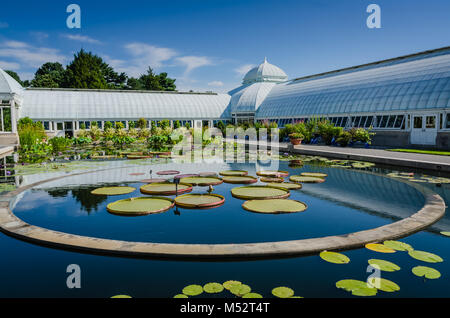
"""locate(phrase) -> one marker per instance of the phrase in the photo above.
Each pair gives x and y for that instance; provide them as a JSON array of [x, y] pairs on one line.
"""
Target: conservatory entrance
[[424, 130]]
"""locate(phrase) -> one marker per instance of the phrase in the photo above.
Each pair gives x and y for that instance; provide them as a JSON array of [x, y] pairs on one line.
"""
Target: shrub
[[158, 142], [59, 144], [296, 135], [108, 125], [362, 135], [119, 125], [83, 126], [164, 123], [94, 133], [187, 125], [344, 138], [142, 123], [30, 133], [176, 124], [81, 140], [131, 124], [144, 133]]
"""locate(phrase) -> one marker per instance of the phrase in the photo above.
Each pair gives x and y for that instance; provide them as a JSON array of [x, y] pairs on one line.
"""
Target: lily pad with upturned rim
[[274, 206], [445, 233], [165, 188], [167, 172], [213, 288], [425, 256], [140, 206], [271, 179], [334, 257], [286, 185], [427, 272], [239, 179], [272, 173], [113, 190], [192, 290], [384, 265], [306, 179], [314, 174], [153, 180], [283, 292], [233, 173], [259, 193], [199, 201], [202, 181]]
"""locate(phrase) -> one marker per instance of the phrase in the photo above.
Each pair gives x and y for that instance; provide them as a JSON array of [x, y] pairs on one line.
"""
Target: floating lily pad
[[283, 292], [333, 257], [239, 179], [121, 296], [425, 256], [384, 265], [240, 290], [259, 192], [113, 190], [306, 179], [271, 179], [379, 248], [213, 288], [136, 157], [199, 201], [192, 290], [357, 287], [167, 172], [445, 233], [207, 174], [314, 174], [233, 173], [180, 296], [153, 180], [140, 206], [274, 206], [137, 174], [398, 246], [383, 284], [202, 181], [165, 188], [230, 283], [272, 173], [186, 175], [427, 272], [362, 164], [286, 185], [252, 295]]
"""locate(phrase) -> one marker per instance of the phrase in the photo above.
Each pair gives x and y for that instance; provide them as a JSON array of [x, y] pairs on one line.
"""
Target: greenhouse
[[405, 100]]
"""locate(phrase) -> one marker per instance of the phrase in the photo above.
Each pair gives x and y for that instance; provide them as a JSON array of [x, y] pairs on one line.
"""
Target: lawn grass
[[428, 152]]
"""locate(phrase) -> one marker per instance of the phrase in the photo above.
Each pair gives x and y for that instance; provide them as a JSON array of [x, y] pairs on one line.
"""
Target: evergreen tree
[[49, 75], [15, 76]]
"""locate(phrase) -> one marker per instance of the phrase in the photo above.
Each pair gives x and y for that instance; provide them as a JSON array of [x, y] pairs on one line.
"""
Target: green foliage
[[119, 125], [59, 144], [158, 142], [108, 125], [296, 135], [176, 124], [81, 140], [15, 76], [49, 75], [152, 81], [142, 123], [328, 131], [362, 135], [83, 126], [187, 125], [344, 138], [164, 123], [30, 133], [131, 124]]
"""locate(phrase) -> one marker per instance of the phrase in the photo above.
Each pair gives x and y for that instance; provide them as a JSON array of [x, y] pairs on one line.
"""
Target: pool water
[[349, 200]]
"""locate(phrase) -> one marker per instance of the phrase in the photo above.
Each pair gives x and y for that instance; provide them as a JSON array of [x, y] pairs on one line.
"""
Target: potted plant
[[296, 138]]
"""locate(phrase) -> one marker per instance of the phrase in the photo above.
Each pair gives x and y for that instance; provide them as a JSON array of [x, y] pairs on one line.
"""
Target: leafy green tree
[[134, 84], [15, 76], [150, 81], [167, 83], [49, 75]]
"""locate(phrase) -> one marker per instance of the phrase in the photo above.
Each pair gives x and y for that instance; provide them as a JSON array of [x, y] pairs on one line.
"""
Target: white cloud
[[15, 44], [9, 65], [81, 38], [39, 36], [216, 84], [3, 25], [242, 70], [193, 62], [30, 56]]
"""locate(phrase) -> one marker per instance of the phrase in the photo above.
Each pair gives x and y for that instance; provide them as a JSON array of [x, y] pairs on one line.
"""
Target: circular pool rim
[[10, 224]]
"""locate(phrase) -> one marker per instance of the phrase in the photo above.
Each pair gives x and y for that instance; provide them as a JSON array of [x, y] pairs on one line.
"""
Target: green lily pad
[[113, 190], [333, 257], [286, 185], [230, 283], [427, 272], [193, 290], [398, 246], [259, 192], [379, 248], [283, 292], [357, 287], [445, 233], [425, 256], [314, 174], [383, 284], [202, 181], [239, 179], [252, 295], [213, 288], [272, 173], [140, 206], [180, 296], [233, 173], [199, 201], [296, 297], [384, 265], [121, 296], [165, 188], [274, 206], [306, 179], [240, 290]]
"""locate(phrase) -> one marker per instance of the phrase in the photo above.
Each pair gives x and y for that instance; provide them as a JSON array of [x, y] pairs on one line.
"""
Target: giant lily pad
[[398, 246], [113, 190], [272, 179], [427, 272], [240, 290], [202, 181], [379, 248], [384, 265], [192, 290], [306, 179], [282, 292], [167, 172], [333, 257], [165, 188], [272, 173], [153, 180], [199, 201], [274, 206], [286, 185], [425, 256], [445, 233], [213, 288], [239, 179], [259, 192], [357, 287], [233, 173], [140, 206], [383, 284], [314, 174]]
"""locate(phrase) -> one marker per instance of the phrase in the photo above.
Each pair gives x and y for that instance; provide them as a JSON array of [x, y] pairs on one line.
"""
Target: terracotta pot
[[296, 141]]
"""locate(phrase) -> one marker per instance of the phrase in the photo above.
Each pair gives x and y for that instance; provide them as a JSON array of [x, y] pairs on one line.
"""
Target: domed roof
[[265, 72], [8, 84], [247, 98]]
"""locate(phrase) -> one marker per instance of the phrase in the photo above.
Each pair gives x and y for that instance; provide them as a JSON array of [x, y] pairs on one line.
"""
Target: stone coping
[[432, 211]]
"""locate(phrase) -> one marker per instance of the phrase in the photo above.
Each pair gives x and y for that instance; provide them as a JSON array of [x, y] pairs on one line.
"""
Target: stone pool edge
[[10, 224]]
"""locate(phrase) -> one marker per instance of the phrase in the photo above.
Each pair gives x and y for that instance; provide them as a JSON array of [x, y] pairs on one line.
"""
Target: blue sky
[[208, 45]]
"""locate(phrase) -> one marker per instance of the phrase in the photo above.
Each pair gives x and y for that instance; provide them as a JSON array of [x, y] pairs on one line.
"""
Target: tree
[[134, 84], [150, 81], [49, 75], [167, 84], [85, 71], [15, 76]]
